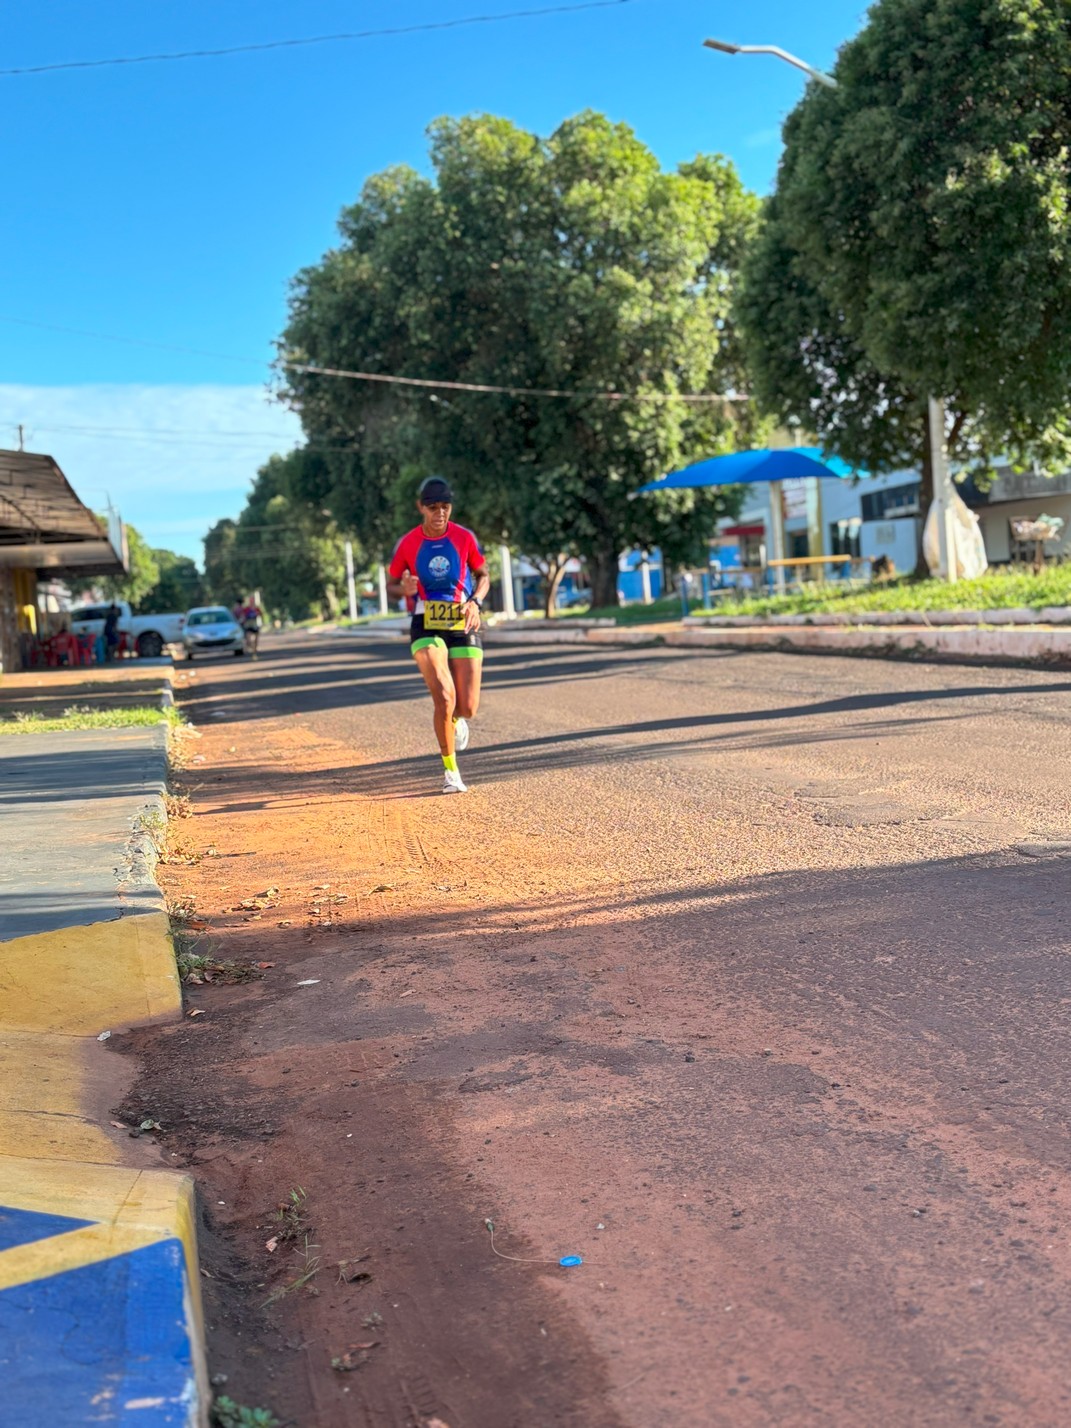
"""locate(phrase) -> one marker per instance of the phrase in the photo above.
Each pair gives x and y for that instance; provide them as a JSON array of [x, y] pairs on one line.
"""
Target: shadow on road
[[378, 675], [348, 676]]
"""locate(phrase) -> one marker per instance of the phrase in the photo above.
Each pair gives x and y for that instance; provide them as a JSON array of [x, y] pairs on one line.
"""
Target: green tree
[[140, 578], [179, 585], [918, 240], [572, 263], [284, 546], [223, 581]]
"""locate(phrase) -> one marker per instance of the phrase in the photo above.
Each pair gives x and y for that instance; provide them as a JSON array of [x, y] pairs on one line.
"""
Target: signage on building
[[794, 499]]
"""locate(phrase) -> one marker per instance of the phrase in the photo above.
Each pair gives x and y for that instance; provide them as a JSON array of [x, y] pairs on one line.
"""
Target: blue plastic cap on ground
[[568, 1261]]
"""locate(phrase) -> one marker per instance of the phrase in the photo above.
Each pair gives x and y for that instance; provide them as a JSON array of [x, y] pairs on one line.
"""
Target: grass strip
[[1011, 589], [996, 590], [140, 716]]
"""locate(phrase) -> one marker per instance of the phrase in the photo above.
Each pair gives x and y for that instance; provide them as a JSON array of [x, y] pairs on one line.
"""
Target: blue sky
[[171, 203]]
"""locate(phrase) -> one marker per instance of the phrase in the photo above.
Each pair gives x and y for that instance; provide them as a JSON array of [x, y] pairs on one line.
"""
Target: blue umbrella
[[745, 467]]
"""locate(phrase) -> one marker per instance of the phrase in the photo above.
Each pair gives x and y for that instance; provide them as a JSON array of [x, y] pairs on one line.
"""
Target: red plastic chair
[[64, 648]]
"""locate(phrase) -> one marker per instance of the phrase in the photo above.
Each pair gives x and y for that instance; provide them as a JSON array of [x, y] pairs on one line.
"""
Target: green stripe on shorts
[[428, 642], [465, 652]]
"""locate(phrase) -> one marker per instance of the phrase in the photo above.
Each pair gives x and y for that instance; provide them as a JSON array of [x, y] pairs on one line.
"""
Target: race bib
[[443, 615]]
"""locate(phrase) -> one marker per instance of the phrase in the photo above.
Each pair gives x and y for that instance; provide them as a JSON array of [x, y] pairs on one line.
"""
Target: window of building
[[888, 505], [844, 537]]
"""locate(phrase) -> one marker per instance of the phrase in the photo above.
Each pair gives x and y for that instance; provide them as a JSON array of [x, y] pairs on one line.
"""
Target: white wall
[[896, 539]]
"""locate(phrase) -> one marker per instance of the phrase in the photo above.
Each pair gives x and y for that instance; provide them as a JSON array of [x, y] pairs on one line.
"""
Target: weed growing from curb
[[228, 1414], [289, 1221], [304, 1280]]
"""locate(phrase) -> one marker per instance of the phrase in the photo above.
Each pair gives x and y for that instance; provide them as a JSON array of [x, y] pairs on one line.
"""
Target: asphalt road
[[744, 976]]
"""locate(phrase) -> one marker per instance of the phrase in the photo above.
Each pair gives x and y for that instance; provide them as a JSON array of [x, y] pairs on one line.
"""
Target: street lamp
[[942, 485], [728, 49]]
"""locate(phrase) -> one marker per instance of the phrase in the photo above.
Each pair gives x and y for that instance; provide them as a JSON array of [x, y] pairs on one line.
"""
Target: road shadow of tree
[[351, 674], [813, 721]]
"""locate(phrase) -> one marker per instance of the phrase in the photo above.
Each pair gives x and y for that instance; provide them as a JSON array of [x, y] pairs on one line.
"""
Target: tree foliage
[[135, 585], [918, 240], [281, 545], [179, 585], [223, 582], [571, 263]]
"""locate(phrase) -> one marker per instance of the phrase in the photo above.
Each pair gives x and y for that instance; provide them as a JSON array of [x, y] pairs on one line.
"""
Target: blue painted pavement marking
[[105, 1343], [23, 1227]]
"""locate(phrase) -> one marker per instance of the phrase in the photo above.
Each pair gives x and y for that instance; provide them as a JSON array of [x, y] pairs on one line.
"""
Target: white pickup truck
[[147, 634]]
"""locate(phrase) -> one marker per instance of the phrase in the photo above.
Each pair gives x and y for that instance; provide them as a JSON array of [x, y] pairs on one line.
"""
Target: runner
[[251, 618], [435, 566]]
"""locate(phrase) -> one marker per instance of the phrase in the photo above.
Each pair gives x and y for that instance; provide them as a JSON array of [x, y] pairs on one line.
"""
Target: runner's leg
[[435, 667], [466, 667]]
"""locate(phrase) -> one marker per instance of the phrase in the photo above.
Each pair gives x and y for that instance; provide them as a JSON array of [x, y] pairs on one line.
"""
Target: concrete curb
[[137, 875], [929, 619], [100, 1308], [967, 643]]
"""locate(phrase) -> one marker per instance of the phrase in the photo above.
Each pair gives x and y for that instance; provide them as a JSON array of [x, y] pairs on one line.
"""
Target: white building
[[871, 516], [880, 515]]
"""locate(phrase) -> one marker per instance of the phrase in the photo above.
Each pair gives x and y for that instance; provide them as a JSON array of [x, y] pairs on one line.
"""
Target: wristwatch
[[473, 601]]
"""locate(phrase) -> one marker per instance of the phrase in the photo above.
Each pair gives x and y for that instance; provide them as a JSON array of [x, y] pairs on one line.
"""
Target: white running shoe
[[452, 783], [461, 735]]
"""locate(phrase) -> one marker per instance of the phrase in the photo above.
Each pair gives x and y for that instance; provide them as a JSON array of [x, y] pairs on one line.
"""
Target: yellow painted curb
[[45, 1087], [80, 981], [130, 1208]]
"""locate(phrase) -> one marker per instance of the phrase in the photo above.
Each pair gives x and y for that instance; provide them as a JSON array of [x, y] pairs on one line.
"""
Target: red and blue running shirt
[[443, 567]]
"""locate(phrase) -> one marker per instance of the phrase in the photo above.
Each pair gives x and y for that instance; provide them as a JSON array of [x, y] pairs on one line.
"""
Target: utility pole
[[645, 578], [384, 606], [351, 584], [947, 563], [943, 490], [22, 441], [509, 609], [777, 533]]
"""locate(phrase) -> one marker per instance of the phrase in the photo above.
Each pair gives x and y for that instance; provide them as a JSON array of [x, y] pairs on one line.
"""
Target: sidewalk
[[99, 1294]]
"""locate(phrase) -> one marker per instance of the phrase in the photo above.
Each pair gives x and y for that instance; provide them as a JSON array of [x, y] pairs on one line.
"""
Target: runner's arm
[[480, 592], [401, 589], [401, 582]]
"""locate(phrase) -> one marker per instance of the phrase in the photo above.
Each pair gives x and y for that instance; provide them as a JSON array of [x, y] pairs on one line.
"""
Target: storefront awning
[[44, 526], [744, 532]]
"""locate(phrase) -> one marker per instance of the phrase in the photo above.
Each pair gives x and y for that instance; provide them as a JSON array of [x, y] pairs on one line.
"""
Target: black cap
[[434, 489]]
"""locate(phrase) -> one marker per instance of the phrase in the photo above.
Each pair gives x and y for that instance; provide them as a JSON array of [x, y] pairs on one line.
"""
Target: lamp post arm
[[775, 50]]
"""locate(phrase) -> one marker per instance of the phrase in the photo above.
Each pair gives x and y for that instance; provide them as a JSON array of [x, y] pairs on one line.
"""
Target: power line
[[202, 439], [345, 35], [430, 383], [216, 440], [590, 395], [162, 431], [130, 341]]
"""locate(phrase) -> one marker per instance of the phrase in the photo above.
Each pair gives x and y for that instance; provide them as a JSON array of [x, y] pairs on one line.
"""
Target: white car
[[147, 634], [212, 629]]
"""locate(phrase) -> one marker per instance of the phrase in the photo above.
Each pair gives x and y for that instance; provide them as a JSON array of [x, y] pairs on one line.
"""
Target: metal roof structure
[[44, 526]]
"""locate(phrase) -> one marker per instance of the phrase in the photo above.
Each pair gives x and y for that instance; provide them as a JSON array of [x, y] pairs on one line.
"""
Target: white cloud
[[174, 459]]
